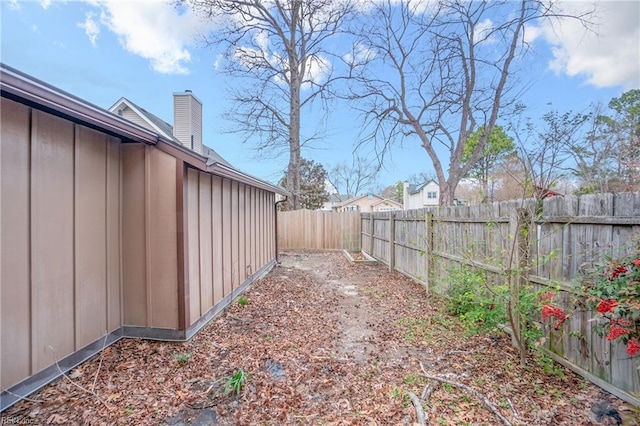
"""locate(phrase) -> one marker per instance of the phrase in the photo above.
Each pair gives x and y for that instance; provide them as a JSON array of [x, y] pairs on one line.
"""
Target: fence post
[[428, 219], [372, 221], [392, 241]]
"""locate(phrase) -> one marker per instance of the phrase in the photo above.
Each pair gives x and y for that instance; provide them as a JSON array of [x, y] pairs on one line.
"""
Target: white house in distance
[[334, 199], [366, 204], [419, 196]]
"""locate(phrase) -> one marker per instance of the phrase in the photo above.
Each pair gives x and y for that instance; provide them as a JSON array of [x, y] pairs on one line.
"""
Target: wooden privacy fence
[[563, 235], [318, 230]]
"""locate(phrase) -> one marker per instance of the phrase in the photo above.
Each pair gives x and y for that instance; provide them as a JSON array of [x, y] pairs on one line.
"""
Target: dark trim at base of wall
[[53, 372], [49, 374]]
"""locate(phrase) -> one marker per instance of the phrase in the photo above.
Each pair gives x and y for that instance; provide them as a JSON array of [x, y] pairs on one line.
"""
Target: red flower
[[546, 297], [622, 322], [633, 346], [559, 323], [619, 270], [615, 332], [637, 262], [606, 305], [549, 311]]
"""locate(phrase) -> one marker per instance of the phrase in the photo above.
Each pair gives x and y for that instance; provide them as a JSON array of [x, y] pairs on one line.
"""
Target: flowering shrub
[[612, 290], [549, 311]]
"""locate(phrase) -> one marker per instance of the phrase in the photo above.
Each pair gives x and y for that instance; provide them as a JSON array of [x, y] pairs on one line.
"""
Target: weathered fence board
[[318, 230], [565, 235]]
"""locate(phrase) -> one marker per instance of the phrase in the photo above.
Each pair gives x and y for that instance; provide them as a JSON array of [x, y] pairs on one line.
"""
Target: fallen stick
[[55, 357], [515, 413], [470, 390], [428, 390], [420, 417]]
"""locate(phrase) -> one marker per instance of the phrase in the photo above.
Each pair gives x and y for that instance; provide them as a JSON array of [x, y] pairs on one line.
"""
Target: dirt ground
[[324, 342]]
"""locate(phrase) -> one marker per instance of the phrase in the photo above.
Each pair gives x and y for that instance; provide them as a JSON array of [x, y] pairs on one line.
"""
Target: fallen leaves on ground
[[325, 342]]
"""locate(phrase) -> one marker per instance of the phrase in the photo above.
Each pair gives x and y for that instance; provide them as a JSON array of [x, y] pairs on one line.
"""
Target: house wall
[[149, 238], [231, 236], [363, 204], [103, 238], [60, 283], [131, 115], [420, 199], [386, 206]]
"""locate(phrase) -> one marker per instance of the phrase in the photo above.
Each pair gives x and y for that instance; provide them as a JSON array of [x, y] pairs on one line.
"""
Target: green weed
[[182, 357], [236, 382], [470, 299]]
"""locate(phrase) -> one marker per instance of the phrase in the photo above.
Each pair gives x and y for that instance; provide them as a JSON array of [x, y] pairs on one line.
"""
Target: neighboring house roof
[[376, 199], [388, 201], [414, 189], [19, 86], [336, 198], [162, 127], [354, 199], [154, 121], [214, 156], [547, 193]]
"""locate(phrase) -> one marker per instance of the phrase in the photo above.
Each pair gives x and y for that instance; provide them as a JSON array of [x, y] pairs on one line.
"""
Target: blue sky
[[101, 50]]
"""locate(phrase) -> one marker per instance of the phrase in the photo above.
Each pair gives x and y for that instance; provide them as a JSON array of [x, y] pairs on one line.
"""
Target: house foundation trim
[[42, 378]]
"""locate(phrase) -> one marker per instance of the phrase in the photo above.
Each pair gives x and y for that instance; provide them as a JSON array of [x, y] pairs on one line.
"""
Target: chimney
[[187, 120]]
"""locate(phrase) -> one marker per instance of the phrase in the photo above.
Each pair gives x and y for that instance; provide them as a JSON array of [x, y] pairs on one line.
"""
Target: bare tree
[[544, 151], [351, 180], [278, 48], [607, 159], [438, 71], [594, 155]]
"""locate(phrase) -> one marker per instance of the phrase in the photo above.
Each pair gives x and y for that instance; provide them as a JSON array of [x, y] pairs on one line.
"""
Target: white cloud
[[531, 33], [14, 5], [359, 55], [261, 39], [152, 29], [45, 4], [609, 56], [317, 70], [91, 28], [482, 32], [217, 64]]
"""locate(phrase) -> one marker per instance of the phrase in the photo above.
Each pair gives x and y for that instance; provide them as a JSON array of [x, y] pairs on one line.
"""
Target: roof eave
[[18, 85], [232, 173], [40, 95]]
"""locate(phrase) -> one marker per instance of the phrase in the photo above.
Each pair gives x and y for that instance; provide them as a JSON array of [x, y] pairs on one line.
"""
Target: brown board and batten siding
[[221, 261], [60, 265], [149, 238], [110, 231]]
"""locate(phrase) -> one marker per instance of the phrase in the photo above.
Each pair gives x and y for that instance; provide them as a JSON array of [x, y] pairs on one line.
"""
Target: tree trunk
[[447, 192], [293, 171]]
